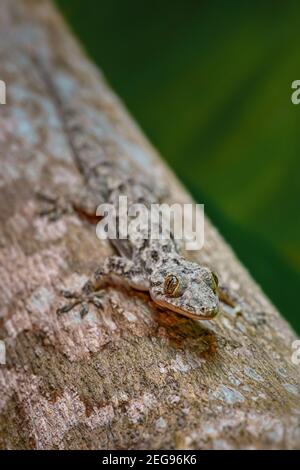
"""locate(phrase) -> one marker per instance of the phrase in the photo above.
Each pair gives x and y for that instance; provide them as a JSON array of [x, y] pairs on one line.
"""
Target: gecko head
[[186, 288]]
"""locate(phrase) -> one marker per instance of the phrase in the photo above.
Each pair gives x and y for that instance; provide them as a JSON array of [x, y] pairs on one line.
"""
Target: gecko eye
[[171, 285], [215, 282]]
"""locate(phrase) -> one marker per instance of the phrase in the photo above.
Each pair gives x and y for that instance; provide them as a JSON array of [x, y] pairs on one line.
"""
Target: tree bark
[[129, 375]]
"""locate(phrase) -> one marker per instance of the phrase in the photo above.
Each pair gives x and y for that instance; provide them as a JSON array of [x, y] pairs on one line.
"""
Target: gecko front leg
[[115, 271], [120, 270]]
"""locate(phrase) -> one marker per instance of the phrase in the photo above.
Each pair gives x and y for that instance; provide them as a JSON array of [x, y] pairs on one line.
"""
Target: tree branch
[[129, 375]]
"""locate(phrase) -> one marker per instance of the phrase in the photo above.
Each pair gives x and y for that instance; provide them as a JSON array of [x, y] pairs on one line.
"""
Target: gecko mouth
[[206, 314]]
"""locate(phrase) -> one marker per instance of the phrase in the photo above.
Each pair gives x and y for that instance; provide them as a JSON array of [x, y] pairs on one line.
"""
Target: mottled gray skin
[[144, 263]]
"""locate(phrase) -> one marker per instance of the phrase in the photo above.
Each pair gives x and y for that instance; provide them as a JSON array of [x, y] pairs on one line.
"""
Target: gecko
[[145, 264], [142, 263]]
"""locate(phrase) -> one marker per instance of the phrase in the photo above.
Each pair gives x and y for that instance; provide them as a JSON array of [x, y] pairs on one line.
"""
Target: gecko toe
[[84, 310], [97, 302], [66, 308], [68, 294]]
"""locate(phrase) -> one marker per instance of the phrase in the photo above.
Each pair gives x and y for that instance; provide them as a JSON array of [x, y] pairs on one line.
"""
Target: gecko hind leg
[[53, 206]]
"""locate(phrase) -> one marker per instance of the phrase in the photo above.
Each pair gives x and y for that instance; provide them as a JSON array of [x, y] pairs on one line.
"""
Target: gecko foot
[[86, 297], [53, 206]]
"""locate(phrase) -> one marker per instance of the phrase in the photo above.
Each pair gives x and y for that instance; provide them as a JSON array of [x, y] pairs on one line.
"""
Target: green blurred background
[[210, 84]]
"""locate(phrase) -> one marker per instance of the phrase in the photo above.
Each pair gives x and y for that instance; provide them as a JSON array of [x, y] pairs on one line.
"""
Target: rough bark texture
[[127, 376]]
